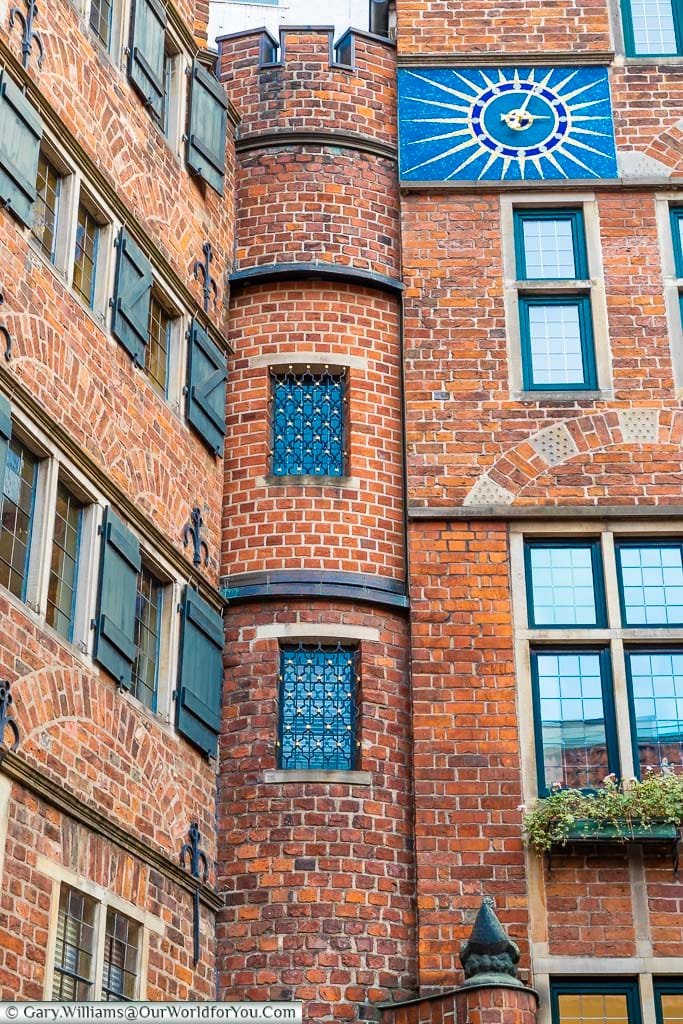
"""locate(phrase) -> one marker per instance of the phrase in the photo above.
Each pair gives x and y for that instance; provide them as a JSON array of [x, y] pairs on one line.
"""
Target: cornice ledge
[[314, 269], [509, 512], [497, 58], [29, 776], [328, 137]]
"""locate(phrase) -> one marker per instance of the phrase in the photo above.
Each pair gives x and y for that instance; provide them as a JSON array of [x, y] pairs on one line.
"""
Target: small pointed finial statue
[[489, 956]]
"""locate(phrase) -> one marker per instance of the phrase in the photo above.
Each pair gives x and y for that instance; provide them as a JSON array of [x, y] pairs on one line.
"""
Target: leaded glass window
[[557, 342], [74, 947], [669, 1000], [550, 245], [148, 608], [121, 954], [101, 19], [318, 695], [652, 27], [656, 691], [309, 423], [158, 344], [573, 703], [61, 595], [651, 583], [46, 210], [18, 501], [85, 261], [564, 584], [594, 1001]]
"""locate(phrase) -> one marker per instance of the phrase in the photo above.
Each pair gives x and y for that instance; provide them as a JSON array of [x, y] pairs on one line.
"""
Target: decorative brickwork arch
[[568, 454]]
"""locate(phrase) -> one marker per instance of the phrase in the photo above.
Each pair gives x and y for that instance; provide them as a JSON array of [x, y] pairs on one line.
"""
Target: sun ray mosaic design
[[505, 124]]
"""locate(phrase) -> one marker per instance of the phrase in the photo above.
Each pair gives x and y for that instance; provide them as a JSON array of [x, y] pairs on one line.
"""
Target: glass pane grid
[[156, 351], [308, 424], [17, 514], [671, 1005], [562, 586], [593, 1008], [318, 693], [100, 20], [548, 248], [573, 731], [87, 232], [74, 947], [651, 585], [64, 564], [653, 26], [147, 633], [656, 679], [555, 343], [120, 973], [48, 188]]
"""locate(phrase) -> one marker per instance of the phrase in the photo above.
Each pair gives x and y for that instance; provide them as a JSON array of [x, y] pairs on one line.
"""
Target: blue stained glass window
[[651, 584], [574, 747], [656, 683], [562, 580], [318, 706], [308, 424]]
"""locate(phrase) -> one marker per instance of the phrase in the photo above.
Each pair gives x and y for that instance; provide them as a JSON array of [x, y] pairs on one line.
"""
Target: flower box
[[584, 830]]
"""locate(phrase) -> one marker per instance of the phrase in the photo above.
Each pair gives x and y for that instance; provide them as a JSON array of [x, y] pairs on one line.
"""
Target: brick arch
[[516, 473], [153, 486], [106, 748]]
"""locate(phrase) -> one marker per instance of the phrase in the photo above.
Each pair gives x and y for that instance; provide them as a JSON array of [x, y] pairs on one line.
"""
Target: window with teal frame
[[650, 582], [655, 686], [317, 707], [18, 503], [564, 584], [669, 1000], [575, 732], [595, 1001], [652, 28], [308, 423], [556, 327]]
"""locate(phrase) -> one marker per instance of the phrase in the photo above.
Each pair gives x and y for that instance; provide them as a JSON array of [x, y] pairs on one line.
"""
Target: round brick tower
[[315, 808]]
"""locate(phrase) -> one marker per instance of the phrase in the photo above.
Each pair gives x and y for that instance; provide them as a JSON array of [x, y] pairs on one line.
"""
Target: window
[[18, 500], [85, 257], [556, 325], [669, 1000], [101, 16], [318, 697], [599, 1001], [148, 613], [608, 696], [308, 422], [46, 209], [61, 596], [86, 931], [158, 345], [652, 27]]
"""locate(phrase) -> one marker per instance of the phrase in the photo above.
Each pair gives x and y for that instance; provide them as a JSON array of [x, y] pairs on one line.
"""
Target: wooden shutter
[[208, 128], [206, 386], [146, 66], [5, 435], [120, 564], [200, 676], [132, 296], [20, 133]]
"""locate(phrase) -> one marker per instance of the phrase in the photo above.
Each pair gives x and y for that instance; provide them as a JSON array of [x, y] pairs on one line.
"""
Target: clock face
[[505, 124]]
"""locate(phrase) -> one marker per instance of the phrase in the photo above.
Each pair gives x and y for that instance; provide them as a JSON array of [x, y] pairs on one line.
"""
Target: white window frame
[[148, 924], [673, 285], [595, 286]]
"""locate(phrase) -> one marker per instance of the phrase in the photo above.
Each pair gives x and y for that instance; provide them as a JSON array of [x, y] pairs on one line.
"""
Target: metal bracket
[[199, 869], [7, 720], [193, 530], [209, 282], [30, 36]]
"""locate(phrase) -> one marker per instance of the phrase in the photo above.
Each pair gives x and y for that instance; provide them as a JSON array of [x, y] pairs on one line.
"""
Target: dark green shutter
[[132, 295], [20, 133], [208, 128], [146, 67], [206, 377], [200, 677], [5, 435], [115, 622]]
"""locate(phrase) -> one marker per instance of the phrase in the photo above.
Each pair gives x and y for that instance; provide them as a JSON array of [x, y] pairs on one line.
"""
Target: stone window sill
[[318, 775], [340, 483], [562, 396]]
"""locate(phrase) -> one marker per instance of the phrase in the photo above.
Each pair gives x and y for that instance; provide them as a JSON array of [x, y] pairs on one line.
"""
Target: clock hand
[[534, 91]]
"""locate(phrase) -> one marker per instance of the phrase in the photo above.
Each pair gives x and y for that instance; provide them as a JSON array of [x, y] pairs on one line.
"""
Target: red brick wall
[[318, 877]]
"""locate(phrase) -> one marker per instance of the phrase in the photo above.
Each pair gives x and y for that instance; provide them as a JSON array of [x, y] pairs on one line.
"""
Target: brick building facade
[[444, 275]]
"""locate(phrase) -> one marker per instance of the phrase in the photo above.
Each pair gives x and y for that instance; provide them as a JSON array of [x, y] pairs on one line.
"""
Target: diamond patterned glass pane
[[653, 26], [64, 564], [593, 1009], [156, 350], [120, 971], [317, 707], [562, 586], [74, 947], [85, 262], [308, 424], [657, 692], [17, 515], [46, 210], [672, 1007], [555, 340], [652, 585], [548, 248], [148, 607], [572, 719]]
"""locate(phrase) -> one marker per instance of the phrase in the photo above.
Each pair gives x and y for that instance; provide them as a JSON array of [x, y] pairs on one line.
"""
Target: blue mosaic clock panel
[[505, 124]]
